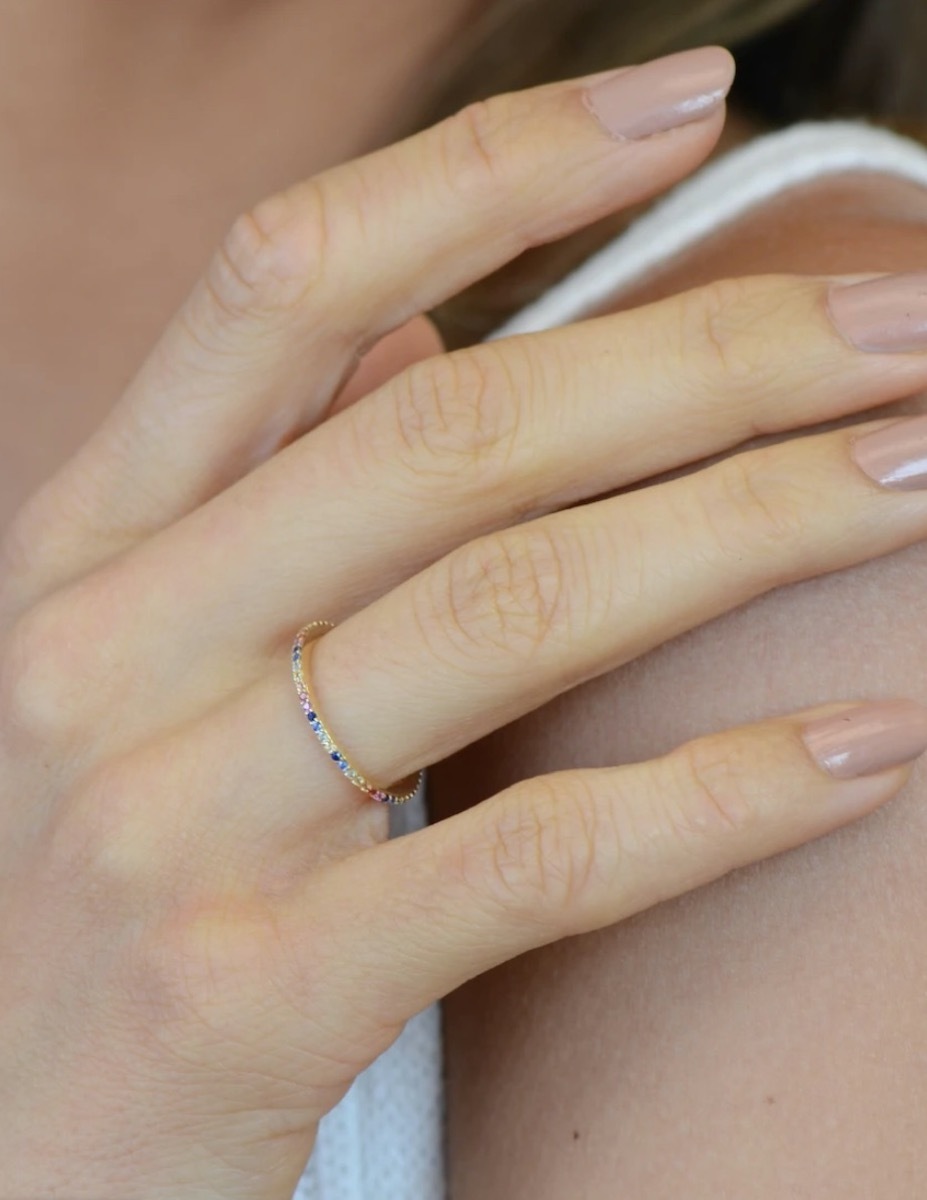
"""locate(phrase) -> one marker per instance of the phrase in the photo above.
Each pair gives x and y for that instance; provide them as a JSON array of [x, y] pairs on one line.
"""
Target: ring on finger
[[399, 793]]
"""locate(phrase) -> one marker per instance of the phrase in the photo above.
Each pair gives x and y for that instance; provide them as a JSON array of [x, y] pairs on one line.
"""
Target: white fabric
[[715, 196], [384, 1140]]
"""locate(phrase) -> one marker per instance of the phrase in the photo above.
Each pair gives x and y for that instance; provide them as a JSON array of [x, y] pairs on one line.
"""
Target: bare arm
[[766, 1036]]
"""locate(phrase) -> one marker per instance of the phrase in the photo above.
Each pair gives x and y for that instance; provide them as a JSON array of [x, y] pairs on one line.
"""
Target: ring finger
[[500, 626], [466, 444], [512, 619]]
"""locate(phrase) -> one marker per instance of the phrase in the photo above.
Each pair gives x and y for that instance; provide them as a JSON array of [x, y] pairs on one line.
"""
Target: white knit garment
[[384, 1140]]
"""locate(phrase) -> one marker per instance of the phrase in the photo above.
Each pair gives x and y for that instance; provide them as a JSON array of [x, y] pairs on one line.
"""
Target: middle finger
[[509, 621], [472, 442]]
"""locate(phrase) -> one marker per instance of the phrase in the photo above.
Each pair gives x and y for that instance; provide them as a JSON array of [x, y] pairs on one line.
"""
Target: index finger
[[312, 277]]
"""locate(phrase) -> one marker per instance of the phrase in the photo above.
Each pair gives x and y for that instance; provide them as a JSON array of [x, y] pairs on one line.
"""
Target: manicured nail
[[869, 738], [895, 455], [887, 315], [660, 95]]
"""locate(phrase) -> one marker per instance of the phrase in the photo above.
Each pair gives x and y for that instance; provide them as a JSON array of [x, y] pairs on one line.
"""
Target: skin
[[622, 1092], [765, 1036], [86, 217]]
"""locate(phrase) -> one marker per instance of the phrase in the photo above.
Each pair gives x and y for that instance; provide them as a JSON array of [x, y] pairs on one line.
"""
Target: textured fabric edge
[[719, 192]]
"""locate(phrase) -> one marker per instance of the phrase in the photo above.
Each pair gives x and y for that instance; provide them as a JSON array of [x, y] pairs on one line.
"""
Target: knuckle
[[17, 559], [100, 838], [273, 254], [457, 414], [63, 666], [719, 331], [708, 793], [203, 973], [475, 149], [755, 510], [39, 698], [117, 865], [38, 538], [537, 858], [510, 591]]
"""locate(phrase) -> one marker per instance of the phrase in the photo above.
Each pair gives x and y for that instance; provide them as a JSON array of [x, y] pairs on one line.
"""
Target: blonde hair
[[796, 59]]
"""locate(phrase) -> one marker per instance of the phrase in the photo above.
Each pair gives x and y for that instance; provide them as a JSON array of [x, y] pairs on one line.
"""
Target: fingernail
[[886, 315], [869, 738], [660, 95], [895, 455]]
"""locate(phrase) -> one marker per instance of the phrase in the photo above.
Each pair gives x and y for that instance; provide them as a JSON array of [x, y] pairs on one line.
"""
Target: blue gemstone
[[336, 756]]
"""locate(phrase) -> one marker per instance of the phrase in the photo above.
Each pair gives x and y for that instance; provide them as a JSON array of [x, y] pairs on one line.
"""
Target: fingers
[[313, 276], [473, 441], [466, 443], [512, 619], [577, 850], [489, 632]]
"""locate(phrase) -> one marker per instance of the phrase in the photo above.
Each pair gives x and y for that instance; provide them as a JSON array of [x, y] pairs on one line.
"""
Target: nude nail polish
[[869, 738], [663, 94], [886, 315], [895, 455]]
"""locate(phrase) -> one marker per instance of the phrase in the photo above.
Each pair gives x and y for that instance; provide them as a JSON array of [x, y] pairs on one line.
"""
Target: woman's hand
[[205, 936]]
